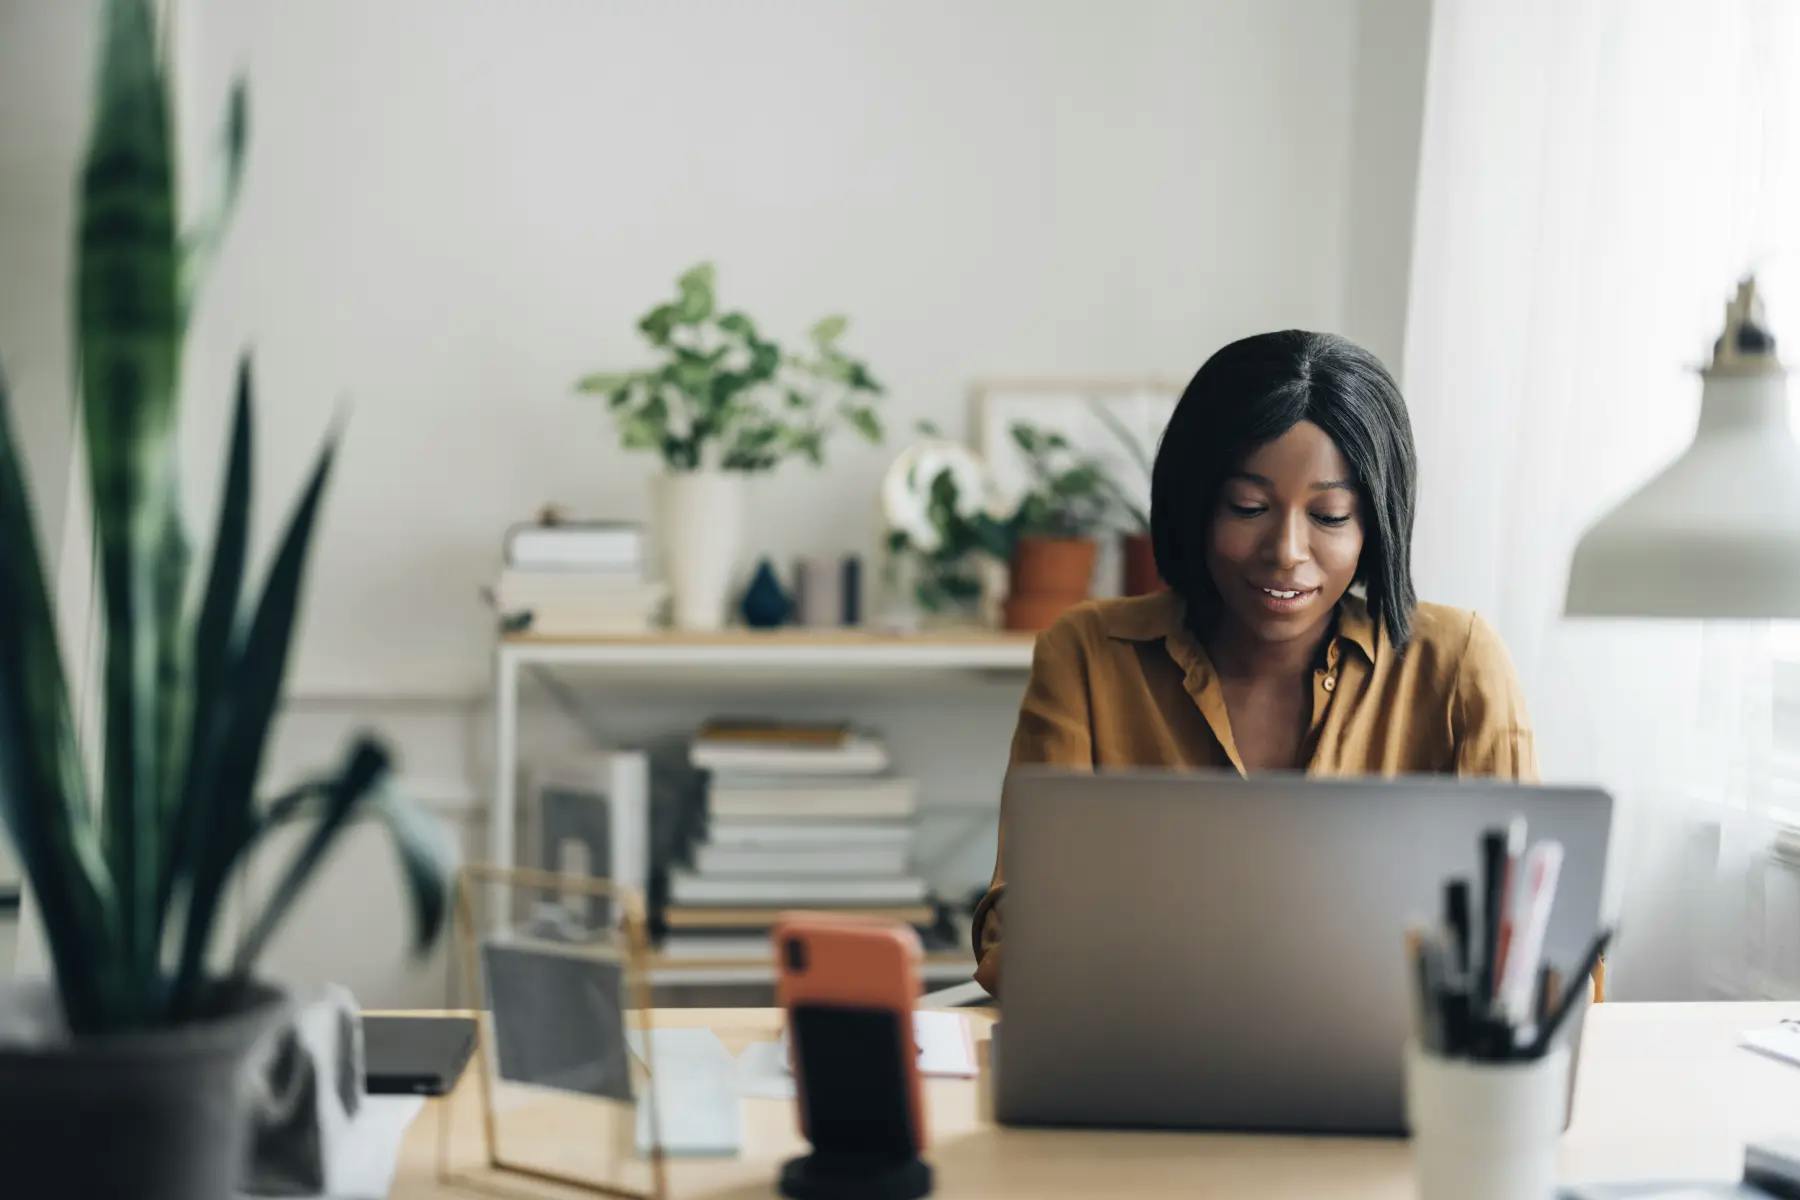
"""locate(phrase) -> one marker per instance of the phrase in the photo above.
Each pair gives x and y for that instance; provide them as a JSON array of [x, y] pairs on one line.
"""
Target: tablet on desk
[[422, 1056]]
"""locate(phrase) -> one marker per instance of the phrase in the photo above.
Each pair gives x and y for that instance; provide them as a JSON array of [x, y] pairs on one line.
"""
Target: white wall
[[453, 209], [1393, 38]]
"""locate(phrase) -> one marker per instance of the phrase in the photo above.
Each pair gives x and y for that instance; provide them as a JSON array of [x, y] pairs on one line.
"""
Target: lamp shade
[[1717, 532]]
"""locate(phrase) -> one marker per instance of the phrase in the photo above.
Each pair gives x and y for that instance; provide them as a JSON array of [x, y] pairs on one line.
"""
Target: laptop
[[1202, 951]]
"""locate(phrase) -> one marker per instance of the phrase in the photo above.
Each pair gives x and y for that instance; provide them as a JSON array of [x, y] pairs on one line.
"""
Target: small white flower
[[906, 490]]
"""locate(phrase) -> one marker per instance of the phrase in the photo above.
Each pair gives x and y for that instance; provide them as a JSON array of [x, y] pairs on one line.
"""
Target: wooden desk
[[1664, 1091]]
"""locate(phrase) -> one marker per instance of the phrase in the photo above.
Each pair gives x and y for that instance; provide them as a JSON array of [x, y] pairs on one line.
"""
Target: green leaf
[[765, 361], [692, 377], [1025, 437], [43, 793], [658, 323], [859, 378], [200, 246], [797, 400], [127, 301], [604, 382], [252, 691], [696, 303], [422, 858], [829, 330], [739, 325], [191, 810], [866, 423]]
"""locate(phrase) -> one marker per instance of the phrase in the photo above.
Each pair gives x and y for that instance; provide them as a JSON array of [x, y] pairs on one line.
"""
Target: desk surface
[[1664, 1091]]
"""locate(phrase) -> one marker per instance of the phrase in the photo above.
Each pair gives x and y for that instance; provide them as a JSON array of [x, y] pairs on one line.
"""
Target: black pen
[[1456, 917], [1493, 880], [1571, 994]]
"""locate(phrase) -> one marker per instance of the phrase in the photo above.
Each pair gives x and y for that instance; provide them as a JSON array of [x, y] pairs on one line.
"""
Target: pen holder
[[1485, 1130]]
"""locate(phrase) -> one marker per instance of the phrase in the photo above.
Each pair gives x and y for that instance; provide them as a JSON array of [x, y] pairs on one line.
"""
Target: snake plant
[[130, 853]]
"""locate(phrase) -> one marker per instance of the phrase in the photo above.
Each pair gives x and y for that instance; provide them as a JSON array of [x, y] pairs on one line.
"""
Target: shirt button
[[1330, 682]]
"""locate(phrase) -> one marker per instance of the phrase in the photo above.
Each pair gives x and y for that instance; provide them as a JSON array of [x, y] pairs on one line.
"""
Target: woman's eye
[[1329, 520], [1246, 510]]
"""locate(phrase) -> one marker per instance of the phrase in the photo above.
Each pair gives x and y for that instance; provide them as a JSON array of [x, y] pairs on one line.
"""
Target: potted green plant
[[1053, 529], [122, 1076], [726, 402]]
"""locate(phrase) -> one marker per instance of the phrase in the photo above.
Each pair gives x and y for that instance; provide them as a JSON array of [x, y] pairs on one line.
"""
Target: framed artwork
[[1118, 421]]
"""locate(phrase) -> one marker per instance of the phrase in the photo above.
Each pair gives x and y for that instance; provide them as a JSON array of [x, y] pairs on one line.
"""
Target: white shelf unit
[[793, 658]]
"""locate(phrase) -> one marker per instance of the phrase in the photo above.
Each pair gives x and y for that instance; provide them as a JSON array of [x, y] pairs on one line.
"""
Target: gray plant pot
[[152, 1116]]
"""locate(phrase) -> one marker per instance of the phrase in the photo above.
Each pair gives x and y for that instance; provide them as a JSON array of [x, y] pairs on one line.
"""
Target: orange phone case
[[854, 962]]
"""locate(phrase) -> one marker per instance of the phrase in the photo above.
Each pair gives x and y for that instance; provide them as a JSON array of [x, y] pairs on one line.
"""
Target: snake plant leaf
[[425, 863], [424, 858], [43, 794], [200, 245], [361, 789], [190, 810], [129, 345], [364, 768], [247, 700]]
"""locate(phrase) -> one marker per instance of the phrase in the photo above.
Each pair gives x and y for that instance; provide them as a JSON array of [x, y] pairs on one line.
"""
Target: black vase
[[765, 605]]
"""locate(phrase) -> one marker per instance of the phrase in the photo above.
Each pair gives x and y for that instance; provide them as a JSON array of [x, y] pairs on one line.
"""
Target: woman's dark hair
[[1252, 392]]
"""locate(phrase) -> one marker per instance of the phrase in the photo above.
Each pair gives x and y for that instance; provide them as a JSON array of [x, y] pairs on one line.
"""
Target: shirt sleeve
[[1054, 729], [1488, 720]]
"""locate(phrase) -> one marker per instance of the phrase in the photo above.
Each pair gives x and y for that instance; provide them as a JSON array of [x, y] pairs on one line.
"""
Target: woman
[[1285, 478]]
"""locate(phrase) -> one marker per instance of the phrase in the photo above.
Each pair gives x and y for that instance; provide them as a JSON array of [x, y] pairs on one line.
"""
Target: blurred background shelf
[[784, 650], [757, 659]]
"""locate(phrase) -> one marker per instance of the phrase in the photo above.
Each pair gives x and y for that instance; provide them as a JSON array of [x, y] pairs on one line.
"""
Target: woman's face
[[1287, 535]]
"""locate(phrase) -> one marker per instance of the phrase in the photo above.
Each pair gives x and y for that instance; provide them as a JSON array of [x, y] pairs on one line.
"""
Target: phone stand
[[822, 1176]]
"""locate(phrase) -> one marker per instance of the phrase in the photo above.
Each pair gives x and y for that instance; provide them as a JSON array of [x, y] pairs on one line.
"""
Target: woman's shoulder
[[1455, 643]]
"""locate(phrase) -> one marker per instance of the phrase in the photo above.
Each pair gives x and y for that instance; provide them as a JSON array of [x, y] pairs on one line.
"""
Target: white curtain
[[1594, 176]]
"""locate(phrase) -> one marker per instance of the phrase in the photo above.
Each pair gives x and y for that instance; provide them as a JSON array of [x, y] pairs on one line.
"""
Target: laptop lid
[[1200, 950]]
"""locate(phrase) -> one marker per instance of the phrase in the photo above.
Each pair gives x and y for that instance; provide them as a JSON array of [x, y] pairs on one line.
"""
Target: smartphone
[[849, 986]]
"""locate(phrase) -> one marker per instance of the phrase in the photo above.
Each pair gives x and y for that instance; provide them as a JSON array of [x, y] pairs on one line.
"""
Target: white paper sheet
[[1779, 1041], [946, 1048]]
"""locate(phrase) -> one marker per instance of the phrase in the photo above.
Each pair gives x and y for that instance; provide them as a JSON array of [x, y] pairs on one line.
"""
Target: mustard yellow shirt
[[1123, 683]]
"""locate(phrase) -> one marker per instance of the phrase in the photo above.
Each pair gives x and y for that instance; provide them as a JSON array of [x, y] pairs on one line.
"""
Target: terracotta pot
[[1140, 566], [1049, 576]]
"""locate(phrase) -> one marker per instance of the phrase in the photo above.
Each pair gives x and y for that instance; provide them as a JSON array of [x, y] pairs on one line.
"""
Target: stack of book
[[578, 579], [800, 816]]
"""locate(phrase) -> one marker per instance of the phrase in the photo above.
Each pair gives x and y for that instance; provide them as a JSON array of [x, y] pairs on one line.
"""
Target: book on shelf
[[577, 546], [761, 731], [791, 834], [569, 604], [687, 887], [856, 755], [705, 946], [739, 917], [775, 798], [523, 589], [821, 861]]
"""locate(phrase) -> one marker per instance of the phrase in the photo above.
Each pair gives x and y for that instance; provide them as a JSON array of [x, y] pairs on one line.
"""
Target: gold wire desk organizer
[[582, 930]]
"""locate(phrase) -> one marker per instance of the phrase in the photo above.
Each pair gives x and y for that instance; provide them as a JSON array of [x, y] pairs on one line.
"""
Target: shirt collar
[[1157, 616]]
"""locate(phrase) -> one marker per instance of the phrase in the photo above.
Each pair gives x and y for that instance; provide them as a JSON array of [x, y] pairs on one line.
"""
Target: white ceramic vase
[[700, 533]]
